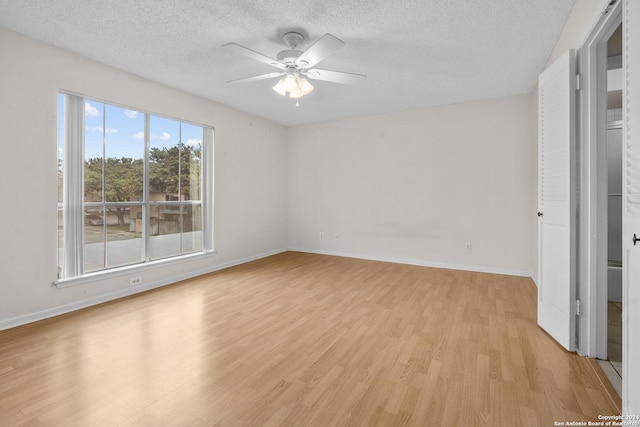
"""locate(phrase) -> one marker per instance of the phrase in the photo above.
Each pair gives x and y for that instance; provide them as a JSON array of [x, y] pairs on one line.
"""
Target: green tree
[[123, 182], [175, 170]]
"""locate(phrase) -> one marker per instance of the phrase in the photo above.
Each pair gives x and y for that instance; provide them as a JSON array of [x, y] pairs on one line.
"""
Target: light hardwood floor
[[300, 339], [612, 367], [614, 335]]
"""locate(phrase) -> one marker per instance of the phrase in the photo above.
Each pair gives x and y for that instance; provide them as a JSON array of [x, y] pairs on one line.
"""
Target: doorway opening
[[613, 200], [600, 193]]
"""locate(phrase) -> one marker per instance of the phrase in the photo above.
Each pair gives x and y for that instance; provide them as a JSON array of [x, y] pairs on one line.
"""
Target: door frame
[[592, 207]]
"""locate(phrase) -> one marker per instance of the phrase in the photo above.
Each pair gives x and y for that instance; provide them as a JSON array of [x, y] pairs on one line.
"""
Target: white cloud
[[99, 129], [90, 110], [165, 136], [131, 114], [139, 135]]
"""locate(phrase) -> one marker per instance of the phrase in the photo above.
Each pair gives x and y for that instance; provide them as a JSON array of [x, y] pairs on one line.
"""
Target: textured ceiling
[[416, 53]]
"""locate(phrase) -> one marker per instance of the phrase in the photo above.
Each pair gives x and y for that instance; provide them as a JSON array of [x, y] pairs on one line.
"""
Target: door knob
[[635, 239], [539, 213]]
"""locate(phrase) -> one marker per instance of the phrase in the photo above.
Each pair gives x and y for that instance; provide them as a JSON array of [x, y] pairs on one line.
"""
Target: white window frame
[[73, 198]]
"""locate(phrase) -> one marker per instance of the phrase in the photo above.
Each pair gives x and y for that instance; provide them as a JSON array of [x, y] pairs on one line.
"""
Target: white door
[[631, 211], [556, 201]]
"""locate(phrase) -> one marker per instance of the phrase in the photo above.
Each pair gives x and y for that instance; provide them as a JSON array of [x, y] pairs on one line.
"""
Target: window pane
[[93, 150], [60, 239], [94, 230], [124, 235], [106, 221], [164, 159], [192, 228], [165, 231], [60, 149], [191, 162], [124, 154], [61, 114]]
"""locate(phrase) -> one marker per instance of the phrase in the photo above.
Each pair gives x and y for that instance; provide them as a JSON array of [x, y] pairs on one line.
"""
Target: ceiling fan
[[294, 65]]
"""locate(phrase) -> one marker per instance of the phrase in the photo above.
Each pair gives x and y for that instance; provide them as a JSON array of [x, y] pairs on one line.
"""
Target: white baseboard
[[67, 308], [421, 263]]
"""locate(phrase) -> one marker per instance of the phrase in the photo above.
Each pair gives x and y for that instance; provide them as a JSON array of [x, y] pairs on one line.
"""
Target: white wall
[[579, 24], [250, 176], [416, 186]]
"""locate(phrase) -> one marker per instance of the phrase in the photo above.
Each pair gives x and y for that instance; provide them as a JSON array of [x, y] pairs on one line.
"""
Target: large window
[[132, 187]]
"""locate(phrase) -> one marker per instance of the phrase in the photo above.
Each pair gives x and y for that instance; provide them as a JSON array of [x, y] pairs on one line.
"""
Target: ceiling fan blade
[[335, 76], [256, 78], [324, 47], [236, 48]]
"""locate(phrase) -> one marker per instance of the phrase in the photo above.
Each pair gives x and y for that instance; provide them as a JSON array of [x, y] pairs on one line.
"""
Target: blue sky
[[122, 131]]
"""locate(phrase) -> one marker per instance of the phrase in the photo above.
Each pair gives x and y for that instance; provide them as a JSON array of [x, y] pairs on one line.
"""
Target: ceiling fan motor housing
[[289, 56]]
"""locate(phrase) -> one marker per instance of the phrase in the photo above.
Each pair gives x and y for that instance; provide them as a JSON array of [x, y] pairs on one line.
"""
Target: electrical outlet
[[336, 236], [135, 281], [321, 236], [468, 247]]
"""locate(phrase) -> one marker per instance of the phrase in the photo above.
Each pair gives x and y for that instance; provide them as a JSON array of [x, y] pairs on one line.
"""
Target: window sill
[[131, 269]]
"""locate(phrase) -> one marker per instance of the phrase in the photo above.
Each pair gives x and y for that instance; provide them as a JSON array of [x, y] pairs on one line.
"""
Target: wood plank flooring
[[614, 335], [302, 340]]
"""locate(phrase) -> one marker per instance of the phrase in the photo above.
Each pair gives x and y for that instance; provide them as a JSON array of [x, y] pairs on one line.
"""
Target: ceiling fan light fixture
[[295, 84], [305, 86], [296, 94], [290, 83], [279, 87]]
